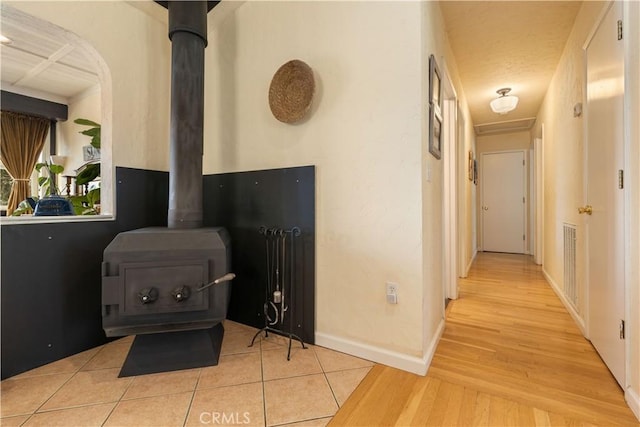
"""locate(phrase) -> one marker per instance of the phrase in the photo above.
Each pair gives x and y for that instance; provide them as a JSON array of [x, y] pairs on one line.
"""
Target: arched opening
[[45, 63]]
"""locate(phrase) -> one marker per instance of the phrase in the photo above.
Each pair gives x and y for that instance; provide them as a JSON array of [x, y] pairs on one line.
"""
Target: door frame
[[538, 198], [461, 199], [525, 230], [450, 211], [631, 144]]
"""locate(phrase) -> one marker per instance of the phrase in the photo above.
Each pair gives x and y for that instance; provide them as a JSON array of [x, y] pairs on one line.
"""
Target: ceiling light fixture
[[504, 103], [5, 39]]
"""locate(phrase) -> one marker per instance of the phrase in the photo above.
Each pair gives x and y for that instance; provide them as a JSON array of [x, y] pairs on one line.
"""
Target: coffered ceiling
[[39, 63]]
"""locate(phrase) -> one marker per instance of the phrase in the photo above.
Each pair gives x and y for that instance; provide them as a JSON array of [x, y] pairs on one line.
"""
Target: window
[[5, 188]]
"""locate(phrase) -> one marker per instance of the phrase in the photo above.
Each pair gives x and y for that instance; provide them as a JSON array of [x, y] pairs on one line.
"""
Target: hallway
[[510, 355]]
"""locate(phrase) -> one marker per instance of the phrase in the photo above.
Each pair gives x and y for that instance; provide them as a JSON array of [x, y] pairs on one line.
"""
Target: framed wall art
[[435, 132], [475, 172], [435, 84]]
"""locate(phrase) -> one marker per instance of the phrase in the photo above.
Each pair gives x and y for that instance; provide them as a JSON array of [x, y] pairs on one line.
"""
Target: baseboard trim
[[572, 311], [633, 400], [415, 365]]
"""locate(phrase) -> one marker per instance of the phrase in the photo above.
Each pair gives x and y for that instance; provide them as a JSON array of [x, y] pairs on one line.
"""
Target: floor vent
[[570, 290]]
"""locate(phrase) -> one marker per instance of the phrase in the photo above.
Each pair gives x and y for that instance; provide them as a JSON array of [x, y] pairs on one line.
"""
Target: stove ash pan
[[152, 280]]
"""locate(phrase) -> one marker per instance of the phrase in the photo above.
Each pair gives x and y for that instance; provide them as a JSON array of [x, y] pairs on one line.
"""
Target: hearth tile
[[109, 356], [233, 369], [275, 342], [238, 342], [86, 416], [234, 405], [302, 362], [168, 410], [13, 421], [343, 383], [24, 396], [331, 360], [89, 387], [162, 383], [71, 364], [298, 399], [231, 327], [318, 422]]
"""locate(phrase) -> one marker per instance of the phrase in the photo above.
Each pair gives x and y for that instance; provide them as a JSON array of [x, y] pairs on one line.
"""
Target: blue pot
[[53, 205]]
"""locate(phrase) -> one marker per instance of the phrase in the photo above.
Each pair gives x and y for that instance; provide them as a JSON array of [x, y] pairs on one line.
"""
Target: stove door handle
[[148, 295], [225, 278]]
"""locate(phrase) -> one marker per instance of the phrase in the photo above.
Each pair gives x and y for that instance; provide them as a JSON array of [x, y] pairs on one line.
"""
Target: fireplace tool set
[[278, 299]]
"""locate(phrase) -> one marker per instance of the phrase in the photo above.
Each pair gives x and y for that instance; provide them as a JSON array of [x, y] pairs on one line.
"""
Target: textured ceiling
[[514, 44], [496, 44]]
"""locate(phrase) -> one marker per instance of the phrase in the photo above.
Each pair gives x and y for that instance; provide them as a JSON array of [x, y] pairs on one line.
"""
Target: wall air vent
[[504, 127], [570, 286]]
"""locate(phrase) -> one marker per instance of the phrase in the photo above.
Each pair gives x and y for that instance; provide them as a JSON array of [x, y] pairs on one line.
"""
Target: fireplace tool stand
[[279, 298]]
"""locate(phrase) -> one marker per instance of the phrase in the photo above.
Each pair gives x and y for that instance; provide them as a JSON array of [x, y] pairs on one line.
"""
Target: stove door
[[163, 287]]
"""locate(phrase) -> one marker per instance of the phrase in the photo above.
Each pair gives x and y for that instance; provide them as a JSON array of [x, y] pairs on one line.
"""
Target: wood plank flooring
[[510, 355]]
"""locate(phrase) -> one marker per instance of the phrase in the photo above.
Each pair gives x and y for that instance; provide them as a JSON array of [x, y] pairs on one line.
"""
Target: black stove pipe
[[188, 35]]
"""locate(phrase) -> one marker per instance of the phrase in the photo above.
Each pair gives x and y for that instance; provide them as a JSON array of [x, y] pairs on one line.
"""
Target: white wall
[[134, 63], [504, 142], [70, 141], [432, 184], [468, 191], [564, 151], [377, 219], [363, 135], [564, 162]]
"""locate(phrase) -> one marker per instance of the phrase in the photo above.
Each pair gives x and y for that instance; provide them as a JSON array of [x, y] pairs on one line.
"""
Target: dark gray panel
[[242, 202], [51, 294], [51, 275], [33, 106]]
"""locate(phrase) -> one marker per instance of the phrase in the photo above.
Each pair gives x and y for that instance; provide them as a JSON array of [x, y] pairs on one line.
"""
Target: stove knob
[[181, 293], [148, 295]]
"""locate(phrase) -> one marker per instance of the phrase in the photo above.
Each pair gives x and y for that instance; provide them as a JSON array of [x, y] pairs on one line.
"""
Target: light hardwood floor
[[510, 355]]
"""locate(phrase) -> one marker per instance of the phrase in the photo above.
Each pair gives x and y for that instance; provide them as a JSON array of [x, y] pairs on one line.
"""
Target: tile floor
[[253, 386]]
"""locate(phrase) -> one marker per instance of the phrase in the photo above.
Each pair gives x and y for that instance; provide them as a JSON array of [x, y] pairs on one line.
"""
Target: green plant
[[49, 183], [94, 131], [88, 204], [24, 207]]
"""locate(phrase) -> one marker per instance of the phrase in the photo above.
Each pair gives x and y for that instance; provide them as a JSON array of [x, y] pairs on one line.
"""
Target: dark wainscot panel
[[51, 282], [242, 202]]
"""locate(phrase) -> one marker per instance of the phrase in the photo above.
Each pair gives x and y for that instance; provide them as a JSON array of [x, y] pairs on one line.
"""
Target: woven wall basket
[[291, 91]]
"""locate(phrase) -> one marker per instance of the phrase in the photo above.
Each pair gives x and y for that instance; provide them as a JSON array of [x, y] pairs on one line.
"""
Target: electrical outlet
[[392, 288], [392, 293]]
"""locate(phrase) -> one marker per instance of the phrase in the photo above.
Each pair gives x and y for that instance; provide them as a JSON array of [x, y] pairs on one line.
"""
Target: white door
[[502, 209], [605, 225]]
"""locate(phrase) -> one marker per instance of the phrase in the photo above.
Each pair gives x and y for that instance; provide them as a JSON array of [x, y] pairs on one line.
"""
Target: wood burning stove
[[155, 280], [170, 286]]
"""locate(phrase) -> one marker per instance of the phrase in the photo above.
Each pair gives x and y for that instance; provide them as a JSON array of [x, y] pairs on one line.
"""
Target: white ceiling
[[496, 44], [514, 44], [41, 64]]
